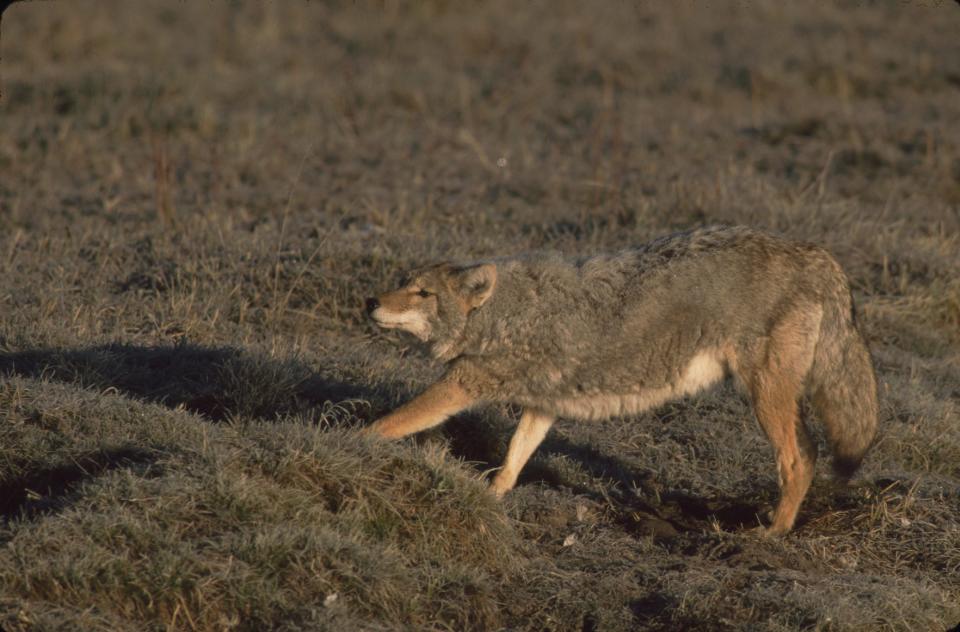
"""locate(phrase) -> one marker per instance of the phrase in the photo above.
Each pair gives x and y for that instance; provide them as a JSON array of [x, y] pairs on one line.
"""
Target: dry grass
[[195, 198]]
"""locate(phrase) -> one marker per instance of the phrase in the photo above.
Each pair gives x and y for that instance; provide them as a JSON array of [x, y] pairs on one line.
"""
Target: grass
[[196, 198]]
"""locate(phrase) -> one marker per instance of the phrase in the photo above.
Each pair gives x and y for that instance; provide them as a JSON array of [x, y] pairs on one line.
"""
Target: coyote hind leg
[[778, 414], [776, 387]]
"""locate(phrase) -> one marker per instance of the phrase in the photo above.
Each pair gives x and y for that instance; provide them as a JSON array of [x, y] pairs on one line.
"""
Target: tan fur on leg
[[530, 432], [776, 389], [432, 407], [777, 411]]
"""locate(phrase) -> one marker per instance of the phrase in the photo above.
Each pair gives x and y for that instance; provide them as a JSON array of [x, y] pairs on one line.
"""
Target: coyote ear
[[477, 283]]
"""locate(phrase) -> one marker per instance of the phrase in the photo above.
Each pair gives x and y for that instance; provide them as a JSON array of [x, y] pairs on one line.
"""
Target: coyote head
[[433, 303]]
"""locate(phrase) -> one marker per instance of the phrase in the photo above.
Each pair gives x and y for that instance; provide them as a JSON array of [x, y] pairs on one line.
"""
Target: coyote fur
[[615, 334]]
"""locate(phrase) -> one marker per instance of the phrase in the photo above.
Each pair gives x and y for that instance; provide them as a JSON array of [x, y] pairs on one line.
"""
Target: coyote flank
[[616, 334]]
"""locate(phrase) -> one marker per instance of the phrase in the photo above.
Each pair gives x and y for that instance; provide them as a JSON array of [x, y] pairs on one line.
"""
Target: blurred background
[[413, 131]]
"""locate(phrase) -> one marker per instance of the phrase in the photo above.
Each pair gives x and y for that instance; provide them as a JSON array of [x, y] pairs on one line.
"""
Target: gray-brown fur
[[614, 334]]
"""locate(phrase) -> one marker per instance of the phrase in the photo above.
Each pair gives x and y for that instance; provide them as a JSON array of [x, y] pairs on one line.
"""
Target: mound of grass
[[252, 525]]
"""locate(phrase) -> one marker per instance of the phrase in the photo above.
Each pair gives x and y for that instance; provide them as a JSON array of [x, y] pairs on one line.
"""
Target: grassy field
[[195, 198]]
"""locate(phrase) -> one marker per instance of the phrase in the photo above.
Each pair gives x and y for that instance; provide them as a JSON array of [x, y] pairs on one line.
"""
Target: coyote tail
[[843, 386]]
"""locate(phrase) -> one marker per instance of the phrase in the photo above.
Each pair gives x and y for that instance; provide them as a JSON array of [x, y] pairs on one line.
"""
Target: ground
[[195, 198]]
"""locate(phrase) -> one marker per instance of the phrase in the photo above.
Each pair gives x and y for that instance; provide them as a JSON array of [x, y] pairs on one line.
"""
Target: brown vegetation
[[196, 197]]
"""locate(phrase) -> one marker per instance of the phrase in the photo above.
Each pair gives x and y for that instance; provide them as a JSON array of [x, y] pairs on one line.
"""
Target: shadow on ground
[[215, 382], [50, 489], [636, 502]]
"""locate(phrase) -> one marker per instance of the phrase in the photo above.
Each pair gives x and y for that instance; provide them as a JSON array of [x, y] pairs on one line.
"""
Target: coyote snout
[[614, 335], [402, 309]]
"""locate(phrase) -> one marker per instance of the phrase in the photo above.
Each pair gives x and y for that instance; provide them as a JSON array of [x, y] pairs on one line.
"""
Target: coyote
[[616, 334]]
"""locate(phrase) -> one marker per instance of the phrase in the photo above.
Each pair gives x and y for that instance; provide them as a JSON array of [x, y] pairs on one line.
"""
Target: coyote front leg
[[430, 408], [530, 432]]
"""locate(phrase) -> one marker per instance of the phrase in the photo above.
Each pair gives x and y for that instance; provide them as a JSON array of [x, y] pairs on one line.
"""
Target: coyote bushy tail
[[843, 386]]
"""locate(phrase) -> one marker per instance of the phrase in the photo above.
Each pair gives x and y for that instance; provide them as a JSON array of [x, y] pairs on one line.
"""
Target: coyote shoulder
[[616, 334]]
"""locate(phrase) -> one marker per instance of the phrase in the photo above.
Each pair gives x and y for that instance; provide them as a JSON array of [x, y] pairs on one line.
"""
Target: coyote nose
[[372, 304]]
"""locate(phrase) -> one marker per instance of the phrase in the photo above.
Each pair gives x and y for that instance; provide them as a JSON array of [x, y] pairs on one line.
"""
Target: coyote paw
[[771, 531], [498, 489]]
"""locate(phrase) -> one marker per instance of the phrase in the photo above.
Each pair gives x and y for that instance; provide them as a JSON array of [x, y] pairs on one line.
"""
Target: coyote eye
[[424, 293]]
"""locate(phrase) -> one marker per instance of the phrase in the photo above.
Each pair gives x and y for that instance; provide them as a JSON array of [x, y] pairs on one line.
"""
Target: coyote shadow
[[634, 497], [216, 382], [643, 507]]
